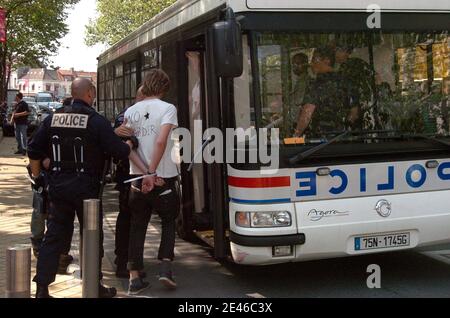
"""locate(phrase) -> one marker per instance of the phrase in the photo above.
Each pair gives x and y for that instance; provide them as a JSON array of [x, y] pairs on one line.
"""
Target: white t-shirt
[[147, 118]]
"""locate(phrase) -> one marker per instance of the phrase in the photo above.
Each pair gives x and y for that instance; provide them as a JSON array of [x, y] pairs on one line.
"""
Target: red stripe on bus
[[275, 182]]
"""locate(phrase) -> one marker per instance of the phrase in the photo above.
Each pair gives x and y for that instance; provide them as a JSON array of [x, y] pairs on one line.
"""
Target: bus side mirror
[[227, 46]]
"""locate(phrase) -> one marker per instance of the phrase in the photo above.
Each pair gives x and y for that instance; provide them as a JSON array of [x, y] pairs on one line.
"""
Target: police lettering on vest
[[70, 121]]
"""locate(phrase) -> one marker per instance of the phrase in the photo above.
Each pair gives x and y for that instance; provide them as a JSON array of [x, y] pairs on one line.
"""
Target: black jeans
[[123, 225], [163, 200]]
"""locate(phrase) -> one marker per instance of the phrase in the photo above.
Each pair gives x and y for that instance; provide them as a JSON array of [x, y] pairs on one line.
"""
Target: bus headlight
[[263, 219]]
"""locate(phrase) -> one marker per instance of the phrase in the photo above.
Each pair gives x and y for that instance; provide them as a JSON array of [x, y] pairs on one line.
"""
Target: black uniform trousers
[[123, 225], [61, 222]]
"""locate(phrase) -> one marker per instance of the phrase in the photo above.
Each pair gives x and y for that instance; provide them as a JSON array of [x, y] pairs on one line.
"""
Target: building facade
[[31, 81]]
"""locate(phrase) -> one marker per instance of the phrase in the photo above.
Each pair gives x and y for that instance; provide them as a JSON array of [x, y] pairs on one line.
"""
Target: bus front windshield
[[316, 85]]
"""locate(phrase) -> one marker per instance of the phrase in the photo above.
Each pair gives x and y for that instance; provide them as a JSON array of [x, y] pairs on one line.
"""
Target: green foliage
[[118, 18], [34, 28]]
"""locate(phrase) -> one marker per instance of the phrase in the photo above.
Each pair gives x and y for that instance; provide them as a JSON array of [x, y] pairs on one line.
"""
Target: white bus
[[361, 100]]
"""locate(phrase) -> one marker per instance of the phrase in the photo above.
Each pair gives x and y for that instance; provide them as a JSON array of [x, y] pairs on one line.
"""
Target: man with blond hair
[[153, 121]]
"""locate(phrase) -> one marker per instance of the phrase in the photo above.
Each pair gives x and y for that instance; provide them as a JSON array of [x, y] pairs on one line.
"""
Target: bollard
[[91, 246], [18, 272]]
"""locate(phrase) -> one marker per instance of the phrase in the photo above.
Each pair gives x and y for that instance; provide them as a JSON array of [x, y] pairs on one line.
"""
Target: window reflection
[[317, 85]]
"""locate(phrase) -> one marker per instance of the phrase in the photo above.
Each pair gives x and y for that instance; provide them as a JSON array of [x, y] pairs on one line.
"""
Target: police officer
[[77, 140]]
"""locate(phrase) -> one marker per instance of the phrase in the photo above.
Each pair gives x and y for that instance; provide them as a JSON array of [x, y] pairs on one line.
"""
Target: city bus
[[358, 95]]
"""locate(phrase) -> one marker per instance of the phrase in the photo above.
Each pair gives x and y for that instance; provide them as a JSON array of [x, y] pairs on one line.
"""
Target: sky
[[73, 52]]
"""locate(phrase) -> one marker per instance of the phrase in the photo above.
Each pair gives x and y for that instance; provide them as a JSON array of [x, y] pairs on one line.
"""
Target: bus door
[[198, 124], [196, 217]]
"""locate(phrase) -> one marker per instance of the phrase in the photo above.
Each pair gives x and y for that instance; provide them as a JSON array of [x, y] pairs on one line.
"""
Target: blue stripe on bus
[[261, 201]]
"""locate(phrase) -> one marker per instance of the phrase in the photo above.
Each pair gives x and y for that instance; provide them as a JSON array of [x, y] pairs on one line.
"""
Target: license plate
[[382, 241]]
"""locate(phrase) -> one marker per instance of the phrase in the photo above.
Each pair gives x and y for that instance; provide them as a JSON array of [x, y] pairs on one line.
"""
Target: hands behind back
[[150, 182]]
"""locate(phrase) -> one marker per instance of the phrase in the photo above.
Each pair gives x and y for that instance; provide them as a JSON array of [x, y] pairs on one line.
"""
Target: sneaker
[[19, 152], [106, 292], [166, 275], [137, 286]]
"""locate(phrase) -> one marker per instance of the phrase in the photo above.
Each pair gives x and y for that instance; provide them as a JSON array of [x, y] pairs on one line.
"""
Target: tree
[[118, 18], [34, 30]]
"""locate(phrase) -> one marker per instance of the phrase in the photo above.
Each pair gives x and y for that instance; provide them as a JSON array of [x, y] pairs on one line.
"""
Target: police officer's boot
[[42, 291], [106, 292]]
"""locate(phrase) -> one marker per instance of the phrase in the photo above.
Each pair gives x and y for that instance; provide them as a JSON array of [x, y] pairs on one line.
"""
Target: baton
[[135, 179], [31, 180], [40, 190]]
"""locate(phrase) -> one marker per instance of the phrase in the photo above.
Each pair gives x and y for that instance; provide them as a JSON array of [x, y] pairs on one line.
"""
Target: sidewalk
[[15, 216]]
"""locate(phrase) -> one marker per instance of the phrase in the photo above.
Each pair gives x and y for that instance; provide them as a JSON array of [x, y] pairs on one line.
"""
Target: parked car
[[34, 120], [10, 101], [44, 99], [44, 111], [54, 106], [8, 129], [30, 100]]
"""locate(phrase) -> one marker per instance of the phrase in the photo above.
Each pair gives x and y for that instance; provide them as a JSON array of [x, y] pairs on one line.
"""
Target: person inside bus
[[153, 121], [434, 108], [445, 104], [357, 75], [300, 68], [326, 105]]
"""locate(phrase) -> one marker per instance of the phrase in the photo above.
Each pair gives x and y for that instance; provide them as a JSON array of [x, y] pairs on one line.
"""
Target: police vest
[[72, 148]]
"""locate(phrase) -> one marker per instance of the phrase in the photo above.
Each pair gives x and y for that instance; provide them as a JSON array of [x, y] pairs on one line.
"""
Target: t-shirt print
[[147, 118]]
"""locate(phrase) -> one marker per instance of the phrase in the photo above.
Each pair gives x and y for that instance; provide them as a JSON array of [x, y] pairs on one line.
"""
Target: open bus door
[[200, 192], [195, 214], [205, 60]]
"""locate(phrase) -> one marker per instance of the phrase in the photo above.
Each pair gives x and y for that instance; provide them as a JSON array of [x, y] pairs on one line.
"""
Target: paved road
[[405, 274], [424, 273]]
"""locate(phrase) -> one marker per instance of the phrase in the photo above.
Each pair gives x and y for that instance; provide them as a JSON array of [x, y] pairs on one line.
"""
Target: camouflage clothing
[[329, 93]]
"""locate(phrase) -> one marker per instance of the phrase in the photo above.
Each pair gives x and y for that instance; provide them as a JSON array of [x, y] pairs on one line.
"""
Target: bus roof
[[185, 11]]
